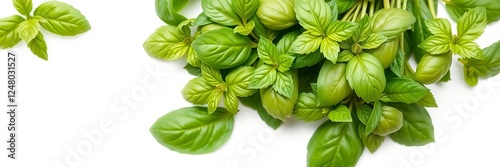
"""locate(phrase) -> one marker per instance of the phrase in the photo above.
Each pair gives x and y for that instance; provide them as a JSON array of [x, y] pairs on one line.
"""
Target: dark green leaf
[[307, 109], [403, 90], [398, 65], [195, 71], [417, 127], [374, 118], [372, 141]]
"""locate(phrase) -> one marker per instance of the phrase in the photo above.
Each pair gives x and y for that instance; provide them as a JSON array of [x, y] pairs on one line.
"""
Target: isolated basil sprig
[[56, 17]]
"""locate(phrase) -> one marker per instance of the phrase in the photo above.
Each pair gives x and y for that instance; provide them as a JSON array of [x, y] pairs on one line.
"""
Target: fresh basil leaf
[[285, 62], [167, 43], [366, 76], [372, 141], [391, 121], [334, 144], [246, 29], [403, 90], [167, 11], [472, 24], [8, 34], [345, 56], [239, 79], [221, 12], [330, 49], [391, 22], [489, 66], [285, 43], [439, 26], [340, 30], [192, 131], [470, 77], [308, 60], [263, 77], [433, 68], [211, 75], [195, 71], [202, 20], [313, 15], [306, 43], [24, 7], [428, 100], [28, 30], [261, 30], [277, 14], [436, 44], [39, 47], [467, 50], [231, 101], [374, 119], [398, 65], [417, 129], [307, 108], [363, 112], [373, 41], [277, 105], [268, 52], [214, 100], [457, 8], [344, 5], [420, 31], [245, 8], [386, 52], [333, 8], [333, 86], [222, 48], [340, 114], [284, 84], [197, 91], [363, 30], [192, 57], [62, 18], [255, 103]]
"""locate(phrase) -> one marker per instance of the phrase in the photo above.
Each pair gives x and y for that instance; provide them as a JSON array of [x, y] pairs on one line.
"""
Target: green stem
[[356, 12], [409, 69], [254, 36], [372, 8], [387, 4], [346, 16], [398, 4], [405, 4], [363, 10], [431, 8], [254, 44]]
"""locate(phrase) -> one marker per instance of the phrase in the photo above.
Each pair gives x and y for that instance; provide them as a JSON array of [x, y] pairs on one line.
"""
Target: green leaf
[[417, 127], [330, 49], [458, 8], [197, 91], [277, 105], [420, 31], [24, 7], [386, 52], [470, 77], [363, 112], [168, 11], [344, 5], [334, 144], [268, 52], [307, 108], [439, 26], [202, 20], [222, 48], [313, 15], [263, 77], [340, 114], [195, 71], [306, 43], [374, 118], [28, 30], [192, 57], [231, 101], [333, 9], [363, 30], [391, 22], [245, 30], [308, 60], [366, 76], [398, 65], [341, 30], [437, 44], [472, 24], [39, 47], [333, 86], [403, 90], [345, 56], [8, 34], [284, 84], [192, 131], [245, 8], [428, 100], [285, 62], [489, 66], [261, 30], [391, 121], [372, 141], [62, 18], [277, 14], [373, 41], [239, 79], [467, 50], [214, 100], [166, 43], [255, 103], [211, 75], [220, 11], [433, 68]]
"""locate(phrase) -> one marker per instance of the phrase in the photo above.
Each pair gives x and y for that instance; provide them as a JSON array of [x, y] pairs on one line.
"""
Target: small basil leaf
[[472, 24], [398, 65], [372, 141], [246, 29], [214, 100], [391, 22], [307, 109], [306, 43], [340, 30], [39, 47], [363, 112], [467, 50], [245, 8], [436, 44], [404, 90], [428, 100], [330, 49], [439, 26], [374, 118], [24, 7], [28, 30], [62, 18], [211, 75], [231, 101], [313, 15], [340, 114], [277, 105], [239, 79], [373, 41], [285, 62], [263, 77], [284, 84], [197, 91], [268, 52], [166, 43], [8, 34], [489, 66]]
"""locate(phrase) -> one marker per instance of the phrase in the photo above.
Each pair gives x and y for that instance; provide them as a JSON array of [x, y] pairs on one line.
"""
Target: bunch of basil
[[341, 60]]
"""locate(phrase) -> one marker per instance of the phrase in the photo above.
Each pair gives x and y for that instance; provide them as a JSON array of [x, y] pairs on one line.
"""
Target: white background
[[88, 77]]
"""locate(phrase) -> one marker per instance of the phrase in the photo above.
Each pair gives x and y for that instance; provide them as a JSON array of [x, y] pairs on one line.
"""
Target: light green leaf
[[313, 15], [197, 91], [192, 131], [8, 34], [374, 118], [439, 26], [345, 56], [160, 43], [340, 114], [332, 84], [307, 108], [211, 75], [28, 30], [245, 30], [373, 41], [192, 57], [330, 49], [39, 47], [285, 62], [334, 144], [404, 90], [468, 50], [472, 24], [62, 18], [363, 30], [391, 22], [214, 100], [341, 30], [391, 121], [24, 7], [284, 84], [470, 77], [245, 8], [489, 66], [268, 52], [202, 20], [231, 101], [277, 105], [239, 79], [168, 11], [363, 112], [366, 76], [263, 77], [372, 141], [306, 43], [417, 127], [428, 101], [220, 11], [437, 44]]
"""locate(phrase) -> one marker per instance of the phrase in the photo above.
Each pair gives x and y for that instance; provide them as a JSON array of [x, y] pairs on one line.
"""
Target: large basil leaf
[[488, 67], [313, 15], [366, 76], [404, 90], [277, 105], [220, 11], [222, 48], [333, 86], [167, 11], [417, 129], [457, 8], [8, 34], [307, 109], [255, 103], [391, 22], [192, 131], [62, 18], [391, 121], [334, 144]]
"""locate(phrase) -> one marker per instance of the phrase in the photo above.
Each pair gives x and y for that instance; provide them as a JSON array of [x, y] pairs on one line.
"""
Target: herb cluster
[[343, 61]]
